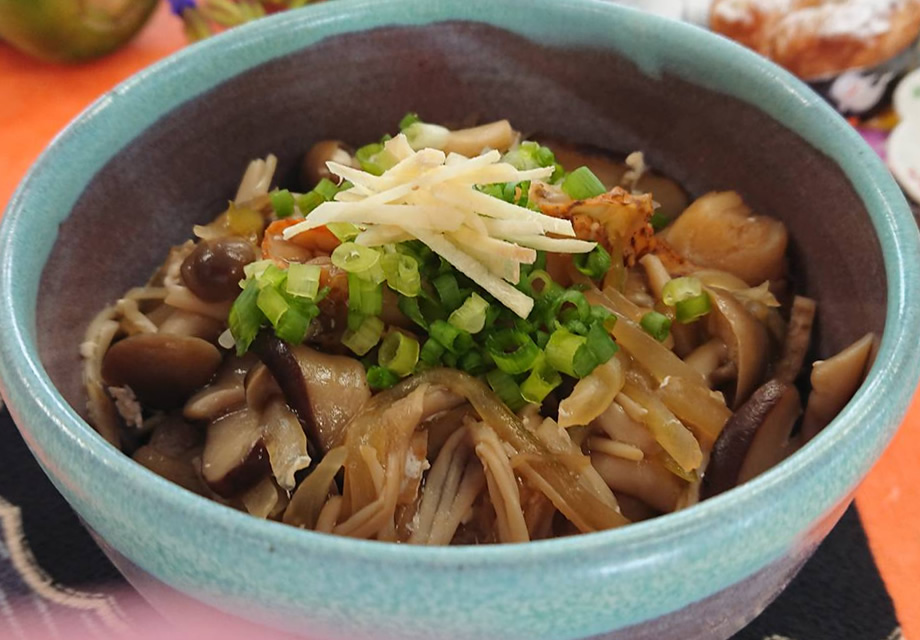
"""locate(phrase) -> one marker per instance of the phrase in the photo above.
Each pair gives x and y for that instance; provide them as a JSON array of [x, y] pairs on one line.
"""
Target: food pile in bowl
[[464, 337]]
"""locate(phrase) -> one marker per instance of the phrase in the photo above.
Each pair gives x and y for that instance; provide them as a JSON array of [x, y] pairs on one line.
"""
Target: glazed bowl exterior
[[162, 151]]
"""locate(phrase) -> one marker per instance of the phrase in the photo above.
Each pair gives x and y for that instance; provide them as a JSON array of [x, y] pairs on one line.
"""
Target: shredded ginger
[[431, 196]]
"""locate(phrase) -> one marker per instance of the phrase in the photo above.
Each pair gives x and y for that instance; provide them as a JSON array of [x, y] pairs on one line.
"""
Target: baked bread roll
[[819, 38]]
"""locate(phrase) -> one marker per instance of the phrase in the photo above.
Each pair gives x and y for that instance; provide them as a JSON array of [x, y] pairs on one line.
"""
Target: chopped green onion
[[344, 231], [681, 289], [541, 381], [355, 258], [594, 264], [451, 338], [471, 315], [309, 201], [541, 338], [410, 309], [401, 272], [576, 326], [431, 352], [656, 325], [659, 221], [245, 318], [506, 389], [473, 362], [326, 188], [366, 336], [364, 296], [282, 202], [256, 269], [539, 285], [692, 309], [398, 353], [272, 276], [272, 304], [600, 343], [293, 325], [354, 320], [569, 353], [448, 291], [303, 280], [379, 378], [571, 305], [374, 159], [450, 360], [408, 120], [530, 155], [582, 184], [513, 351]]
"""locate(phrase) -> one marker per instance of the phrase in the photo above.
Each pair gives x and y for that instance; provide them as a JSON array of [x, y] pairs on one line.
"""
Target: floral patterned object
[[203, 18]]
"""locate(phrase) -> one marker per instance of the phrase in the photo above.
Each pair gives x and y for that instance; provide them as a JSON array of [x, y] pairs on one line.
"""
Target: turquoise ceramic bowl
[[100, 207]]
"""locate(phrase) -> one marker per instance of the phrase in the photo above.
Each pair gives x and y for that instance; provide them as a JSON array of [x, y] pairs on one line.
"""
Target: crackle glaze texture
[[164, 150]]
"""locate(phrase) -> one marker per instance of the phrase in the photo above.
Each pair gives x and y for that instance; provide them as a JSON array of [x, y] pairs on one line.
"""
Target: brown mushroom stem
[[798, 337]]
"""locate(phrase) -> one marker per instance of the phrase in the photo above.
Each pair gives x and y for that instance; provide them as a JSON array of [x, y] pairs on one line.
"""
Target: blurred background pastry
[[851, 51]]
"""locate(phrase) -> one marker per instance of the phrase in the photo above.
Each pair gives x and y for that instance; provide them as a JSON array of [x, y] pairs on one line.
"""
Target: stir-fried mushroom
[[225, 393], [833, 383], [720, 231], [162, 370], [754, 438], [471, 142], [745, 337], [325, 391], [171, 453], [235, 458], [313, 169]]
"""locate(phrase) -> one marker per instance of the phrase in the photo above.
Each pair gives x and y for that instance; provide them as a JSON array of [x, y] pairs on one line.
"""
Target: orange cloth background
[[39, 99]]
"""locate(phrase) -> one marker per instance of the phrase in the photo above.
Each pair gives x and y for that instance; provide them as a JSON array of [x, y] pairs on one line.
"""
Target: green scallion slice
[[473, 362], [431, 352], [455, 340], [541, 381], [282, 202], [582, 184], [309, 201], [401, 272], [355, 258], [398, 353], [366, 336], [659, 221], [656, 325], [568, 353], [303, 280], [326, 188], [272, 304], [364, 296], [380, 378], [692, 309], [594, 264], [471, 315], [245, 317], [408, 120], [344, 231], [448, 291], [600, 343], [681, 289], [513, 351], [293, 325]]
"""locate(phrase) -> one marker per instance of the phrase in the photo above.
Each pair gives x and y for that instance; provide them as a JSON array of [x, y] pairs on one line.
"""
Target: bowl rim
[[29, 390]]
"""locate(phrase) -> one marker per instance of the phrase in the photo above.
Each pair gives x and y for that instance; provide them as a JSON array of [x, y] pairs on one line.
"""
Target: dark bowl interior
[[185, 167]]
